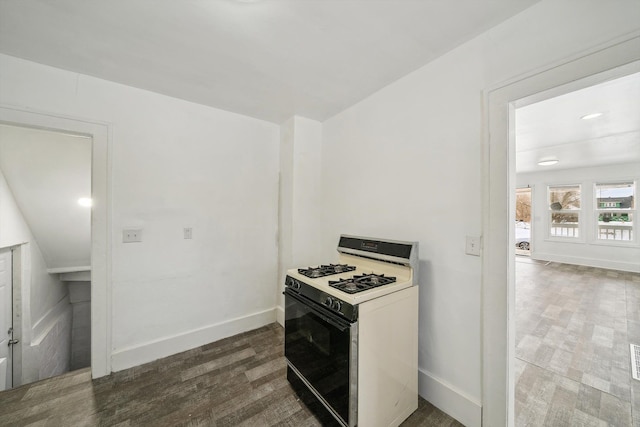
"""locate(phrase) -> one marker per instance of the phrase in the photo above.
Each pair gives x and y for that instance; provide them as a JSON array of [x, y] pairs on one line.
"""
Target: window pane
[[564, 225], [615, 196], [615, 226], [564, 197]]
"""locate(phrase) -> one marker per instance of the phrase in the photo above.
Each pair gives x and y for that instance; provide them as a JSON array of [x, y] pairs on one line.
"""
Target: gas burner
[[325, 270], [359, 283], [351, 286]]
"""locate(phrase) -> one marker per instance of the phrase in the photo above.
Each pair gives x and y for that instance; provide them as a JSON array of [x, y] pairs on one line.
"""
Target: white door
[[6, 284]]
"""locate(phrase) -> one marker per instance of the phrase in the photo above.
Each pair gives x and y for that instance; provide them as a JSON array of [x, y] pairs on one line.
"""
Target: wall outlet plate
[[132, 235]]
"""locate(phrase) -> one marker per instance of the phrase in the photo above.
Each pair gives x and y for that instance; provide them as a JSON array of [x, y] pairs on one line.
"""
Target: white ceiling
[[272, 59], [554, 129], [269, 59], [47, 173]]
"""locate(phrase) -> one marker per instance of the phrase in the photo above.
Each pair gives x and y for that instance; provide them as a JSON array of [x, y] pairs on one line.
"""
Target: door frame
[[6, 371], [18, 258], [100, 134], [615, 59]]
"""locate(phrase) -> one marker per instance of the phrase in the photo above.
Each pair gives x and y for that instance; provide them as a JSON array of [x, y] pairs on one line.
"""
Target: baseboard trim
[[280, 315], [588, 262], [137, 355], [448, 399]]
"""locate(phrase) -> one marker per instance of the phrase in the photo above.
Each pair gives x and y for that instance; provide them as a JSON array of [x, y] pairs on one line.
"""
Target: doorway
[[100, 225], [570, 316], [498, 294], [46, 199]]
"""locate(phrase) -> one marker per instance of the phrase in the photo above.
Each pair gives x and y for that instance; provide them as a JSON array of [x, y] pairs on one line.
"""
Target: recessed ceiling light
[[85, 201], [591, 116], [548, 162]]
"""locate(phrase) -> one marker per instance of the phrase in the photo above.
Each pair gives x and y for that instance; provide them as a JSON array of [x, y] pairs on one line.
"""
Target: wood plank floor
[[238, 381], [573, 329]]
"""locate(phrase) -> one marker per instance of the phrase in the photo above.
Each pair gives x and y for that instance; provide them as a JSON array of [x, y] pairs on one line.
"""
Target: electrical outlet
[[473, 246], [188, 233], [132, 235]]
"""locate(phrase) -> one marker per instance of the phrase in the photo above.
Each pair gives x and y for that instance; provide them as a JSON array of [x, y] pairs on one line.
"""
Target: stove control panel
[[332, 303], [290, 282]]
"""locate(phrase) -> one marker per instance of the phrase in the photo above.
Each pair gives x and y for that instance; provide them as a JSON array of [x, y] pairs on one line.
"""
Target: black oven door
[[322, 349]]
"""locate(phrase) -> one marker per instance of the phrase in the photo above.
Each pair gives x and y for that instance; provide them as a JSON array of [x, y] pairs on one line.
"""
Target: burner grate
[[325, 270], [359, 283]]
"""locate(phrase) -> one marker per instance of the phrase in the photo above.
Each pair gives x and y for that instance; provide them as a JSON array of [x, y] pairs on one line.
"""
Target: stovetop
[[366, 268], [371, 278]]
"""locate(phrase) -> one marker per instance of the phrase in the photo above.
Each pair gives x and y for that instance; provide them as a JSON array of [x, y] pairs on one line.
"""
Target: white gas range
[[351, 332]]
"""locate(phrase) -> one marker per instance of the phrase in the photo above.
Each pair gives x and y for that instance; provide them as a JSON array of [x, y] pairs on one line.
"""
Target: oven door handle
[[323, 313]]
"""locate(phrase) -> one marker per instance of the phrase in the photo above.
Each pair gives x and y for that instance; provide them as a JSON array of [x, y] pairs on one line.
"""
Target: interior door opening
[[46, 191], [562, 301]]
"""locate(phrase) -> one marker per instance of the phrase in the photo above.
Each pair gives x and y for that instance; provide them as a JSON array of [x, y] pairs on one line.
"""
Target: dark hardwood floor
[[236, 381]]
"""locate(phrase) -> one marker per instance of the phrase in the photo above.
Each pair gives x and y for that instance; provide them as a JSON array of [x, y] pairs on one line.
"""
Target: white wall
[[173, 164], [406, 164], [46, 312], [588, 250], [49, 353], [299, 198]]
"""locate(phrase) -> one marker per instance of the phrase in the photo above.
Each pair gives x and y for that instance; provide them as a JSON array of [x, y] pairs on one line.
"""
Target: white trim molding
[[633, 267], [280, 315], [449, 399], [144, 353]]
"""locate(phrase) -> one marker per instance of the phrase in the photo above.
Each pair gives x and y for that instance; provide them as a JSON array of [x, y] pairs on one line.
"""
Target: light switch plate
[[132, 235], [473, 246], [188, 233]]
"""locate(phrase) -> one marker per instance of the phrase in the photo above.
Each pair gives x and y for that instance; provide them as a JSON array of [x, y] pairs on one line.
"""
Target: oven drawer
[[322, 347]]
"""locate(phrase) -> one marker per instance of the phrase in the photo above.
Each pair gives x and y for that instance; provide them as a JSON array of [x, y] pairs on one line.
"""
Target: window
[[615, 211], [564, 211]]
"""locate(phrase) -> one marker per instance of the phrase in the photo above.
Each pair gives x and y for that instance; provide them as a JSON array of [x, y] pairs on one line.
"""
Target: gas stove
[[356, 322]]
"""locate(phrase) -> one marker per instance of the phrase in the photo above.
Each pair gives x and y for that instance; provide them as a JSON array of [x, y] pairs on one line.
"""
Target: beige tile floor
[[573, 329]]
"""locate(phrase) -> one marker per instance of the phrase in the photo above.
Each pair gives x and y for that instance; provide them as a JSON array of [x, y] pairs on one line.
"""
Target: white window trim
[[580, 212], [595, 239]]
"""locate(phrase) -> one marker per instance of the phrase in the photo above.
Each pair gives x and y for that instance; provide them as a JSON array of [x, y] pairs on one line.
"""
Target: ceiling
[[47, 173], [553, 128], [269, 59], [272, 59]]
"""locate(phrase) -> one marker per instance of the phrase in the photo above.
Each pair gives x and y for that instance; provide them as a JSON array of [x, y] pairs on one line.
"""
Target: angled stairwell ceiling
[[47, 173]]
